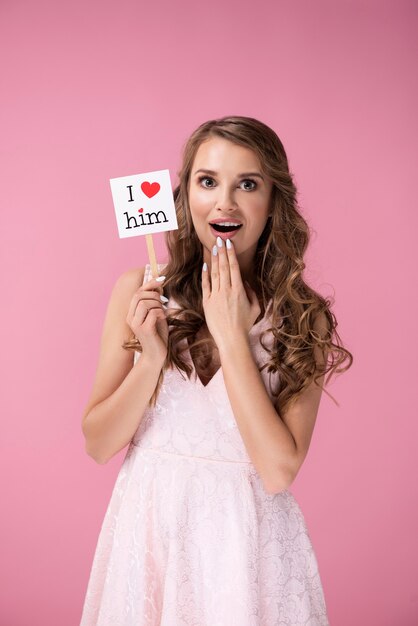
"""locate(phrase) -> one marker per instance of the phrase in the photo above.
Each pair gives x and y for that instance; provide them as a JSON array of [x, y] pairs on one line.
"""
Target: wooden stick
[[151, 256]]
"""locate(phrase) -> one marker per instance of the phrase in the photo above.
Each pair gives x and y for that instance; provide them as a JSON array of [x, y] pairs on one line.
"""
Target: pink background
[[97, 90]]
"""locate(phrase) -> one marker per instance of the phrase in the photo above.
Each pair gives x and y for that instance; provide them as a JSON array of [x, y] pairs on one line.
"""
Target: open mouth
[[220, 228]]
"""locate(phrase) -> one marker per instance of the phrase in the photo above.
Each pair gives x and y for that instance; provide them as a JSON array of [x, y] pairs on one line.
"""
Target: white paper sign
[[144, 203]]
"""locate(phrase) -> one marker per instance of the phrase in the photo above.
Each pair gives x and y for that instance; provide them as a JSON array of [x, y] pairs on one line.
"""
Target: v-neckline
[[215, 375]]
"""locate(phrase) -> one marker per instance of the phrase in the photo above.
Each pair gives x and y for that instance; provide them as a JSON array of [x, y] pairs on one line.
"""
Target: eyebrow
[[213, 173]]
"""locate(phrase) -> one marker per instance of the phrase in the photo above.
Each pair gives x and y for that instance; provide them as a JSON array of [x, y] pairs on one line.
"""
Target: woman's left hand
[[231, 307]]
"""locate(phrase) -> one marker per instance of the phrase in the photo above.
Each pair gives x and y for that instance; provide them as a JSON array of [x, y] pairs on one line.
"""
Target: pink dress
[[190, 537]]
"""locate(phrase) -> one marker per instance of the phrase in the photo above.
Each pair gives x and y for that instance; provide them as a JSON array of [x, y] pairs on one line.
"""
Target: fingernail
[[219, 241], [163, 299], [214, 250], [205, 267], [160, 279], [228, 243]]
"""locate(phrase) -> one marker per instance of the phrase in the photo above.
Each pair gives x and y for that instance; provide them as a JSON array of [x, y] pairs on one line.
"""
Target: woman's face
[[226, 183]]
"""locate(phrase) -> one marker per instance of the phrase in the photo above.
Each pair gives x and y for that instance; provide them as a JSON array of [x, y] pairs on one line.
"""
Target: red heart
[[140, 210], [150, 189]]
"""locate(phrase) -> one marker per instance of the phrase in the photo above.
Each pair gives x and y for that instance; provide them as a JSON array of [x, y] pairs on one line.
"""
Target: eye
[[247, 180], [204, 178], [250, 180]]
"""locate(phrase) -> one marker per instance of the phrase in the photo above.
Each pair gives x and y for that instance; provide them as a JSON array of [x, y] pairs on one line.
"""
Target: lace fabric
[[190, 537]]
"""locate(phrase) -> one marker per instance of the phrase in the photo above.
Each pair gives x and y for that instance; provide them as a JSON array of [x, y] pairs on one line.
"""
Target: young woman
[[217, 394]]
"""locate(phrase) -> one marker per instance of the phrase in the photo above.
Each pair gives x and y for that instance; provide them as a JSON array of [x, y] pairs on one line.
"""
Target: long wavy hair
[[278, 267]]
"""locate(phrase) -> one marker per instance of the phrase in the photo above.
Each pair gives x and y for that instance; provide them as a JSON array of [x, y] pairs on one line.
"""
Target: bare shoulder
[[123, 291], [134, 277], [130, 280]]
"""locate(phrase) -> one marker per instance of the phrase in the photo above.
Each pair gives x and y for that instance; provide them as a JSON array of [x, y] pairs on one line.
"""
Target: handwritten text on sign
[[144, 203]]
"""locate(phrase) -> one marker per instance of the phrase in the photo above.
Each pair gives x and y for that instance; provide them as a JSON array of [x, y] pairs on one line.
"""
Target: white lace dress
[[190, 537]]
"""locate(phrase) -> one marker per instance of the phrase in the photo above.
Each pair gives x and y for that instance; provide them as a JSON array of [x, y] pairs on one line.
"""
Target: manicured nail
[[214, 250], [163, 299], [219, 241], [228, 243], [205, 267], [160, 279]]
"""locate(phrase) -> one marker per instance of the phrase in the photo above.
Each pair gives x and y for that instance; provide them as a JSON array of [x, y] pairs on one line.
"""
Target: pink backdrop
[[97, 90]]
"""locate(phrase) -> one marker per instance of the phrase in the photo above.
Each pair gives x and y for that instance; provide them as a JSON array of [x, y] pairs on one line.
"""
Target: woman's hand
[[230, 307], [147, 319]]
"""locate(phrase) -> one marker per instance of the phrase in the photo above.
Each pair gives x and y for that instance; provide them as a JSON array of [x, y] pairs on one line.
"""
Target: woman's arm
[[121, 393], [277, 445], [110, 425]]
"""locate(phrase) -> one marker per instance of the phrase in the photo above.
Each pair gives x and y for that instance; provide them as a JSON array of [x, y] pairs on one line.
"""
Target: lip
[[221, 220], [224, 236]]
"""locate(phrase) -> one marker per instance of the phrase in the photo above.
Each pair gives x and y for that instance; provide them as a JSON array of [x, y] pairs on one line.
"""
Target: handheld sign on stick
[[144, 204]]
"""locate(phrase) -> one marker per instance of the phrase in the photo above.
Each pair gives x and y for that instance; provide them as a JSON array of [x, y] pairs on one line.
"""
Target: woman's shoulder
[[135, 277], [131, 279]]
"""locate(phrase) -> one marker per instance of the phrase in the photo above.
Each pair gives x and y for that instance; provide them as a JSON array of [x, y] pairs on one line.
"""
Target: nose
[[225, 200]]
